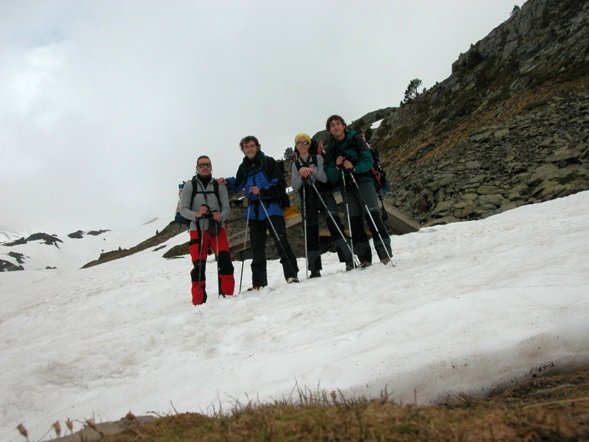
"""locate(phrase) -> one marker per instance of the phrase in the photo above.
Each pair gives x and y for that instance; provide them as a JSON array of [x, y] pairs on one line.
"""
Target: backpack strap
[[216, 191], [301, 163], [357, 144], [266, 167], [279, 194], [195, 190]]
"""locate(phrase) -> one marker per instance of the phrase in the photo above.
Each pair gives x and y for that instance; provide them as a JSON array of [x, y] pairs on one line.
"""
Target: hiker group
[[345, 165]]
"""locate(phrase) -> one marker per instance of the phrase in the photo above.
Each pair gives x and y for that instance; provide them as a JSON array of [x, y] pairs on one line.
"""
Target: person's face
[[250, 149], [204, 167], [337, 129], [303, 148]]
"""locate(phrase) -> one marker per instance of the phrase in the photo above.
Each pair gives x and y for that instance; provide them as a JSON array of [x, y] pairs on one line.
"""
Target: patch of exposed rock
[[51, 240], [79, 234], [7, 266]]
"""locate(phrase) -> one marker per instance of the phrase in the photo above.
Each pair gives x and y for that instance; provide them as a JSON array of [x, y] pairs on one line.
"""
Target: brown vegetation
[[545, 408]]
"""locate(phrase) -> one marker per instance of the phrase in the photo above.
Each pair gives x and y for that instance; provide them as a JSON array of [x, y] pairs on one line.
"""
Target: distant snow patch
[[376, 124]]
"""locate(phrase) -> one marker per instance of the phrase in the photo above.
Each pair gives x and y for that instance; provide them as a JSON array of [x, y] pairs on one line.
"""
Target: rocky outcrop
[[96, 232], [16, 242], [510, 126], [7, 266], [538, 156], [19, 257], [542, 33], [51, 240], [79, 234]]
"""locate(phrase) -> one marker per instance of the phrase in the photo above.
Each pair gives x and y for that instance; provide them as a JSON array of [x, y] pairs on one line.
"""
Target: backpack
[[378, 174], [179, 218], [314, 148], [283, 200]]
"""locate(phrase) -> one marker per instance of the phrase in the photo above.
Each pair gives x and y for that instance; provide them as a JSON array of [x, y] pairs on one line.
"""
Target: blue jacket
[[263, 172]]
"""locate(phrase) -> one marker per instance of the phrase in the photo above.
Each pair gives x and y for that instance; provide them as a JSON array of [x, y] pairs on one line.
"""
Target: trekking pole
[[372, 219], [345, 195], [305, 229], [247, 224], [217, 261], [201, 241], [385, 215], [276, 235], [341, 234]]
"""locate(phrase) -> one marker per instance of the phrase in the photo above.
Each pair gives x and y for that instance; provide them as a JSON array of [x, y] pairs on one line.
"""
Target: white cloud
[[109, 103]]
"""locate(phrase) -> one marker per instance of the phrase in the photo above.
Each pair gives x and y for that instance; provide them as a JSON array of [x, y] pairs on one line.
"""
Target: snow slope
[[74, 252], [468, 306]]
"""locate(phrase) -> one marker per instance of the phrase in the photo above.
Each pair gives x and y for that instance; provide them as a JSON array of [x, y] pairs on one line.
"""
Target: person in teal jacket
[[348, 154]]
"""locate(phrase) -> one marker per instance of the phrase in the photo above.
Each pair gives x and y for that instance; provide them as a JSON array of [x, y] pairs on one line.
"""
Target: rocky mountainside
[[510, 126]]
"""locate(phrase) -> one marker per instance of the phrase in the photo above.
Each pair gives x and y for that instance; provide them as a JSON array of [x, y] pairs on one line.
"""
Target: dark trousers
[[335, 226], [258, 230], [365, 193], [309, 207]]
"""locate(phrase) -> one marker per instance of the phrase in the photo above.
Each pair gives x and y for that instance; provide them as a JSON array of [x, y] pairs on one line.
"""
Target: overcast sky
[[105, 105]]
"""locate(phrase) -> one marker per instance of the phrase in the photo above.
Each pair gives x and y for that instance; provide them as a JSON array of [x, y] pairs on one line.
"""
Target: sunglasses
[[203, 165], [302, 143]]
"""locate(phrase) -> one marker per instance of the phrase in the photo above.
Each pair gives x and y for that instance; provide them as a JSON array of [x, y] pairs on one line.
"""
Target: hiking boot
[[385, 260], [255, 288], [364, 264], [199, 298], [315, 274], [292, 279]]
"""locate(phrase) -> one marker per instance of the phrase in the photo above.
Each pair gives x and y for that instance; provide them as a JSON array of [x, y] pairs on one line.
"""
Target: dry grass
[[543, 409]]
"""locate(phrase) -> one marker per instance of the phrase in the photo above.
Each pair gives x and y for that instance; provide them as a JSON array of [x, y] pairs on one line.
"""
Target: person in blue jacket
[[348, 155], [260, 178]]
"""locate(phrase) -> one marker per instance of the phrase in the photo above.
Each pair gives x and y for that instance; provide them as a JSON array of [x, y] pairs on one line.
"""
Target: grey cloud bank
[[104, 106]]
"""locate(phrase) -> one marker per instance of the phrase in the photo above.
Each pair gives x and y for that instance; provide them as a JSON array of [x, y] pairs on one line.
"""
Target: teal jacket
[[354, 148]]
